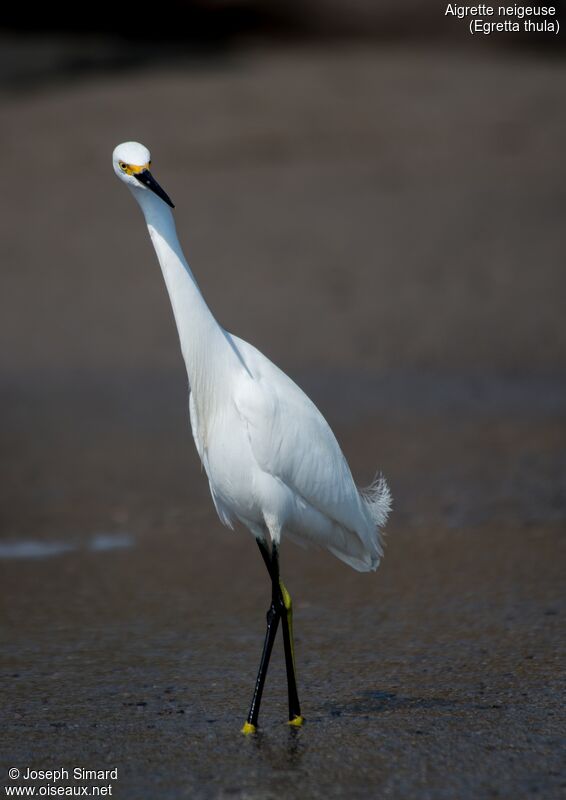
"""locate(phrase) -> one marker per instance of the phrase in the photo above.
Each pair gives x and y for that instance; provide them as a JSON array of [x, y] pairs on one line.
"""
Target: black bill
[[148, 180]]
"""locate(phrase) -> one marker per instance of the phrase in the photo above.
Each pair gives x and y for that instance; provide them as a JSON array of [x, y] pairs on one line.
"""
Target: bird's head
[[132, 162]]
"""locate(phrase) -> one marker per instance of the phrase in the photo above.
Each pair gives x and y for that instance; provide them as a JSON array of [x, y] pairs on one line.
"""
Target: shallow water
[[28, 548], [137, 647]]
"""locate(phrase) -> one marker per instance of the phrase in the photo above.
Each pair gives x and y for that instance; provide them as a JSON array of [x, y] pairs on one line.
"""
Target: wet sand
[[398, 250]]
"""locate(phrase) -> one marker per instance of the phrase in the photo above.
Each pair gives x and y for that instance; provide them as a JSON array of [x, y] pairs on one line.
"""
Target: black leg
[[273, 616], [295, 717], [281, 607]]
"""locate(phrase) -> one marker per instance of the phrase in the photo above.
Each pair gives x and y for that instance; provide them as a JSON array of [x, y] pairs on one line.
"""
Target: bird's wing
[[221, 509], [291, 440], [194, 426]]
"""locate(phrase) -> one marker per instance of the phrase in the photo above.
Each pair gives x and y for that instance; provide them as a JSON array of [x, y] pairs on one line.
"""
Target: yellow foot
[[248, 728], [296, 722]]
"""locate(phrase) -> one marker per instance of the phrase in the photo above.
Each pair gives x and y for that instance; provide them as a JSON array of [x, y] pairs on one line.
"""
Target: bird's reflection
[[280, 755]]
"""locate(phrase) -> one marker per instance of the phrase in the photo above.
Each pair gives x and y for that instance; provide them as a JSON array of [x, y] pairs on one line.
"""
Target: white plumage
[[272, 461]]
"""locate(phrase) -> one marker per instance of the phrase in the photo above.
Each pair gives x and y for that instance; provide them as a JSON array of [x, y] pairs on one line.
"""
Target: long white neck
[[208, 351], [196, 325]]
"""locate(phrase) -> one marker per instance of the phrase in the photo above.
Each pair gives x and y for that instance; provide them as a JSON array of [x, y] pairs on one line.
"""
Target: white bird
[[272, 461]]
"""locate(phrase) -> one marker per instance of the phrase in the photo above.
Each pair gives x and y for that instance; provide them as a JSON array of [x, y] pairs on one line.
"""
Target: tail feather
[[377, 499], [364, 553], [360, 547]]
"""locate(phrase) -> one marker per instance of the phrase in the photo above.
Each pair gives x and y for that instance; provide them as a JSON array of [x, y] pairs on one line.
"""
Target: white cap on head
[[131, 162], [132, 153]]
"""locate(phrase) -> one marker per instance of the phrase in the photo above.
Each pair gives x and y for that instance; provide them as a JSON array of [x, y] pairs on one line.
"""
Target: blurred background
[[376, 200]]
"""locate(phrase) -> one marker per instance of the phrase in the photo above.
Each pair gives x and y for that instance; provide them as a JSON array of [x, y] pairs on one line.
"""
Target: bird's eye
[[122, 165]]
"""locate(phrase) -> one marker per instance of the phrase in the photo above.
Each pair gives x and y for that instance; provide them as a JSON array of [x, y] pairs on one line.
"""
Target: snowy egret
[[272, 461]]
